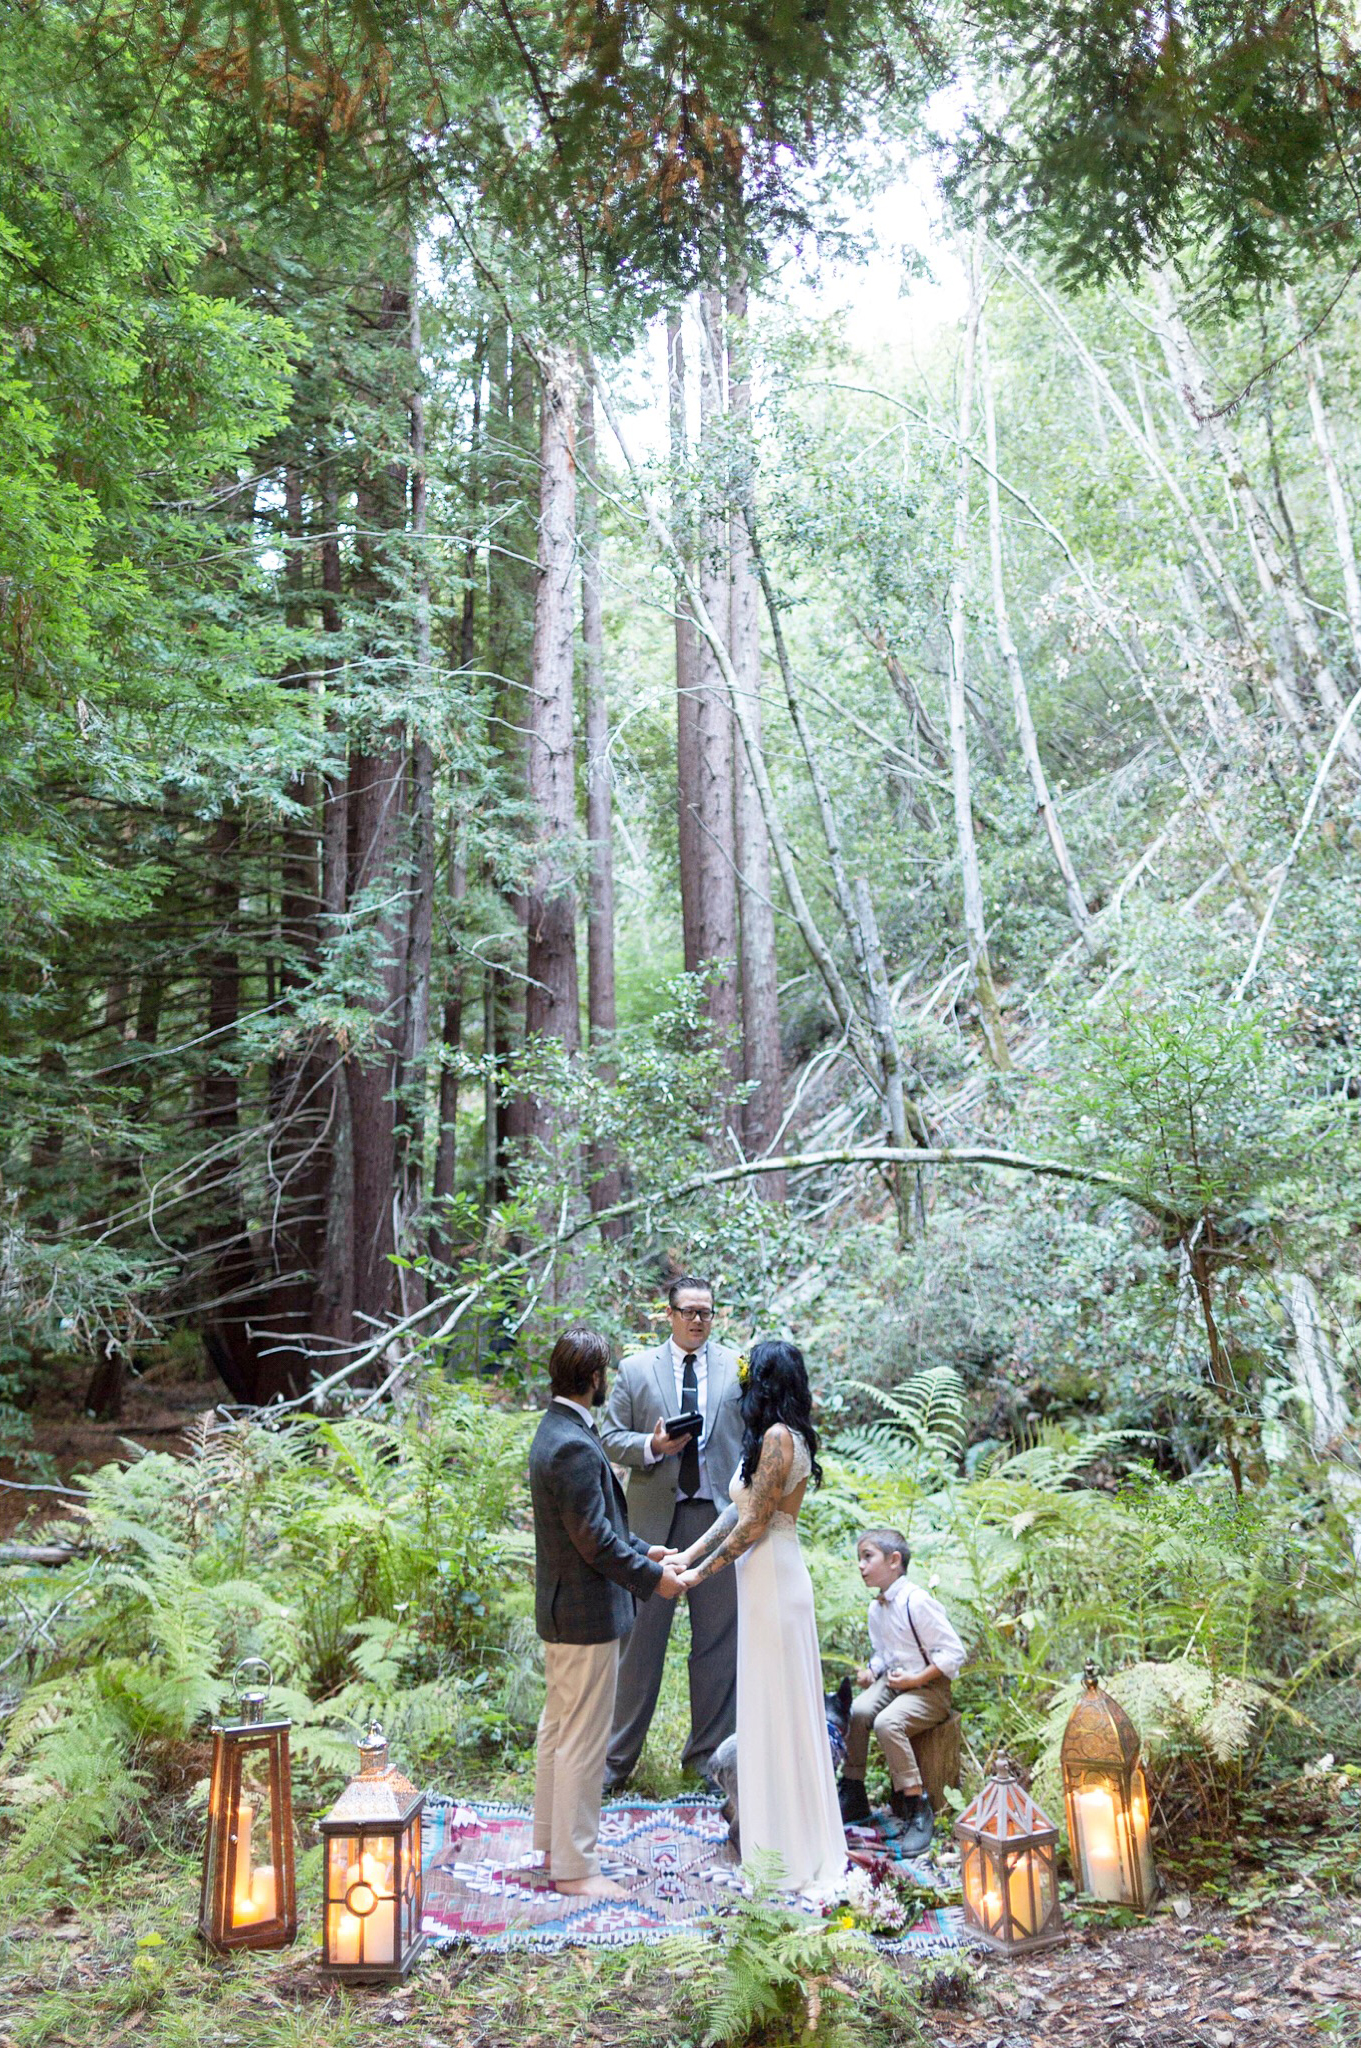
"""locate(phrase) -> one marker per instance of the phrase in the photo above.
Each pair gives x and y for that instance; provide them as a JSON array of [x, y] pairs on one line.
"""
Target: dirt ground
[[158, 1406]]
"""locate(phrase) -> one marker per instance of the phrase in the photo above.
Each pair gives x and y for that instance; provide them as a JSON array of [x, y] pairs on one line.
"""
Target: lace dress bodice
[[798, 1471]]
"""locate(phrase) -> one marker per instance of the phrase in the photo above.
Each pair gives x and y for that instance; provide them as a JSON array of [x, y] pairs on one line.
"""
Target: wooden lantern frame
[[371, 1888], [1008, 1851], [224, 1921], [1112, 1857]]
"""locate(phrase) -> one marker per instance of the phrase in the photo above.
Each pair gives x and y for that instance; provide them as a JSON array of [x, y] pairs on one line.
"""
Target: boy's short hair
[[886, 1540]]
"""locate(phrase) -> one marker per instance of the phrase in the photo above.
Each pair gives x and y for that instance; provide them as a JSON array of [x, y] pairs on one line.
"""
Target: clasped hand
[[672, 1581]]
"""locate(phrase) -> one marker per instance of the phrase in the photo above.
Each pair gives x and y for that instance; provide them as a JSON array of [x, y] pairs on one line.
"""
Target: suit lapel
[[664, 1375], [719, 1375]]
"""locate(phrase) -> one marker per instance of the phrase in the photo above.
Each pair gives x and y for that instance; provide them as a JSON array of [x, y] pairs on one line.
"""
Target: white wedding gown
[[786, 1789]]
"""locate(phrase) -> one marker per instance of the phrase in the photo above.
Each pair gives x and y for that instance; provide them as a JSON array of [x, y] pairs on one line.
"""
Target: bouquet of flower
[[882, 1898]]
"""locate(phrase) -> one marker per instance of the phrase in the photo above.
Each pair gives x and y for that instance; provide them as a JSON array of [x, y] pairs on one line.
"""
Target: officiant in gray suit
[[676, 1488]]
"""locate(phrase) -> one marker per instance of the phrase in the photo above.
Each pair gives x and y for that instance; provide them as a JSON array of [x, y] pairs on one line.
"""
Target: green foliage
[[785, 1977], [364, 1559], [1129, 135]]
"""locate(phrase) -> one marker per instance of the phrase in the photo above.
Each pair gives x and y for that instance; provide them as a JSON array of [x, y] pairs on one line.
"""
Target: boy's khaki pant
[[894, 1718]]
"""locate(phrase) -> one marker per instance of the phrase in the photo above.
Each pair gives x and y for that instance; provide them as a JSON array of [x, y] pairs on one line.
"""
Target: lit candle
[[347, 1935], [243, 1904], [991, 1914], [380, 1926], [264, 1892], [1019, 1898], [1100, 1847]]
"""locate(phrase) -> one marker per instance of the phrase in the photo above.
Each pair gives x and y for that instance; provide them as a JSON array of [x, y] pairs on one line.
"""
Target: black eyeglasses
[[694, 1315]]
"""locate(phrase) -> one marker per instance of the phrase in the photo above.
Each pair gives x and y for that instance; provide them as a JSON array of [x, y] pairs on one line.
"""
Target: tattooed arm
[[710, 1540], [767, 1491]]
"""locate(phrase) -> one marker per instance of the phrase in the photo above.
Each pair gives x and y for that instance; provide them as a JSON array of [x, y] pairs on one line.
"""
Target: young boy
[[905, 1687]]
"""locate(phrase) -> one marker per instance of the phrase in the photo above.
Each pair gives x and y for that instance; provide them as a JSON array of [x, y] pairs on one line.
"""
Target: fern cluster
[[1214, 1609], [363, 1558]]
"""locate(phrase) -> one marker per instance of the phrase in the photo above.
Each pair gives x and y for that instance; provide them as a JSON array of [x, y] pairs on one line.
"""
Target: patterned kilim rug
[[481, 1884]]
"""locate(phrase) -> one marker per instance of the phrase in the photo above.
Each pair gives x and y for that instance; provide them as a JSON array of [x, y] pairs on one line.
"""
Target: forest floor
[[1195, 1976]]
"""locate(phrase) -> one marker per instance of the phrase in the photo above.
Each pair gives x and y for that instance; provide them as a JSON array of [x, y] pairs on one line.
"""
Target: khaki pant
[[894, 1717], [574, 1729]]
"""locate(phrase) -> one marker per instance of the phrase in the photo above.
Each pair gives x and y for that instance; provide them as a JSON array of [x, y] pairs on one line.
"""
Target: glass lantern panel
[[1023, 1869], [992, 1898], [1098, 1809], [252, 1875], [342, 1854], [411, 1882], [372, 1899], [971, 1876], [1143, 1841]]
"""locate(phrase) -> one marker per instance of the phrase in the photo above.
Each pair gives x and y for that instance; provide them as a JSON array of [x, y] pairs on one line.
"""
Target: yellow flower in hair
[[743, 1368]]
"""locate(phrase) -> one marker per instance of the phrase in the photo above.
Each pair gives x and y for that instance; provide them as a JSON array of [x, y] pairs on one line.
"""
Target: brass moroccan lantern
[[1008, 1867], [1107, 1800], [248, 1899], [371, 1923]]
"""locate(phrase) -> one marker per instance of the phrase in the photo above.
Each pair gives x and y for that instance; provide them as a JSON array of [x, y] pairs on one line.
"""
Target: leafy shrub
[[363, 1558]]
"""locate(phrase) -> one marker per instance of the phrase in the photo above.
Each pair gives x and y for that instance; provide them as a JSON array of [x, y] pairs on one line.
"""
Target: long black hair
[[776, 1391]]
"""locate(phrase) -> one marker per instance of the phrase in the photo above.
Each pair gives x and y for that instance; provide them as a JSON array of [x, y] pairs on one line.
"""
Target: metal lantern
[[248, 1899], [1107, 1800], [1008, 1867], [371, 1924]]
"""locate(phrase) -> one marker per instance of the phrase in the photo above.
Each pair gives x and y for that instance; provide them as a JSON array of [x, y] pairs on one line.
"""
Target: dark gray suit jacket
[[588, 1569]]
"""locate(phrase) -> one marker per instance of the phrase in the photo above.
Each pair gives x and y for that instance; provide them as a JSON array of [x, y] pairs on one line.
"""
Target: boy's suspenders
[[907, 1604]]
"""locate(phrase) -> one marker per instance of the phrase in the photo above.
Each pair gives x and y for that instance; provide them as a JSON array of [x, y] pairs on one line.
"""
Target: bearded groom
[[677, 1487]]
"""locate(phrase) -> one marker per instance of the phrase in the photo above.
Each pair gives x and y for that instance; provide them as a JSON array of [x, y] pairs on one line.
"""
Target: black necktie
[[689, 1464]]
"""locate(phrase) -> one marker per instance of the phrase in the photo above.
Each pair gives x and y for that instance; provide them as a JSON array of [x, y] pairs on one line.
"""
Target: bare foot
[[589, 1888]]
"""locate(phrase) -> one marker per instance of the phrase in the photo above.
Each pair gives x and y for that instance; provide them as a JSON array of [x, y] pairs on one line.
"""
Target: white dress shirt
[[893, 1645], [566, 1401], [677, 1351]]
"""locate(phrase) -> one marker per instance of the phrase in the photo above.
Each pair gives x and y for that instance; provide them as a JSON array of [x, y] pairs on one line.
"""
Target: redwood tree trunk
[[761, 1064], [605, 1182], [551, 997], [379, 886], [712, 797], [687, 658]]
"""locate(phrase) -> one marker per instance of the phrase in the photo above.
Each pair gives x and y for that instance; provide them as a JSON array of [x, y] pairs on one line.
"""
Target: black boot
[[855, 1805], [918, 1816]]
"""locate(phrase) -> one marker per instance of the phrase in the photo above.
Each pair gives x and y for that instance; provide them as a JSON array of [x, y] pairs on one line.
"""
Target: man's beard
[[598, 1391]]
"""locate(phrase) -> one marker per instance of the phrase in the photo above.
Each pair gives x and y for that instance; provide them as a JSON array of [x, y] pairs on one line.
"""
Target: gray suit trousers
[[712, 1667]]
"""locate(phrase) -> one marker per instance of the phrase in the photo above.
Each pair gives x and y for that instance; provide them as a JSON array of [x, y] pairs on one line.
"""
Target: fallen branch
[[1155, 1204], [37, 1553]]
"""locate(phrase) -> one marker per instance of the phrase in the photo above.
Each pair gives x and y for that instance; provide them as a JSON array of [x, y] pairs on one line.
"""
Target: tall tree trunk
[[299, 1154], [1332, 477], [421, 920], [446, 1151], [379, 887], [606, 1184], [761, 1061], [1020, 699], [664, 537], [713, 793], [226, 1331], [518, 405], [687, 654], [551, 996], [333, 1301], [1193, 387], [975, 929]]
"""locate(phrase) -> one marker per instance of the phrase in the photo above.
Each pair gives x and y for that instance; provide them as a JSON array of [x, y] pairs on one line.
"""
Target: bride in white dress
[[786, 1786]]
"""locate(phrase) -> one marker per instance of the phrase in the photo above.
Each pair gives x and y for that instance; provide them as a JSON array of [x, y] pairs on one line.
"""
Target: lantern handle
[[1091, 1675], [252, 1697]]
